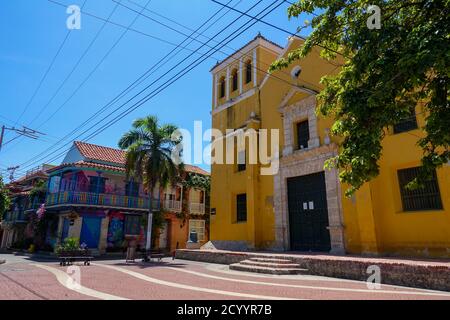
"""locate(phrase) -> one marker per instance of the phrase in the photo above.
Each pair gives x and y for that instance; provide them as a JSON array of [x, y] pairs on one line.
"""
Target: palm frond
[[149, 152]]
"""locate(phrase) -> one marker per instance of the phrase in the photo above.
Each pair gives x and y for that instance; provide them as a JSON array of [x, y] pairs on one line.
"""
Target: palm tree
[[149, 157]]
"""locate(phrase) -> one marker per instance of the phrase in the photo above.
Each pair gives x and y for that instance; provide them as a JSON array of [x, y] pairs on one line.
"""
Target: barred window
[[407, 124], [426, 198], [197, 226], [241, 207]]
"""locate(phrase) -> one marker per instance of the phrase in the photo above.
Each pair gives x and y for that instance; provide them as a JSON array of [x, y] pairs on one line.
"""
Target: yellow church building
[[301, 206]]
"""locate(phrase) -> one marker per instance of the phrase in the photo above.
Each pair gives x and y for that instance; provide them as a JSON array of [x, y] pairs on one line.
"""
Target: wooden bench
[[68, 258], [147, 256]]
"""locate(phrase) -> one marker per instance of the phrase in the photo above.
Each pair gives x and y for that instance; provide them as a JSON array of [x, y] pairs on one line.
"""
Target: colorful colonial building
[[95, 202], [14, 228], [302, 207]]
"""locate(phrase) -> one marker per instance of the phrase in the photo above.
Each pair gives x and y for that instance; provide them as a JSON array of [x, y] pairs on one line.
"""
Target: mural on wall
[[115, 229], [109, 188], [81, 181], [71, 181], [132, 225]]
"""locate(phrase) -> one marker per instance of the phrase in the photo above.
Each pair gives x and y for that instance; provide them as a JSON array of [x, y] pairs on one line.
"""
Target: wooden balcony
[[17, 216], [197, 208], [172, 205], [89, 199]]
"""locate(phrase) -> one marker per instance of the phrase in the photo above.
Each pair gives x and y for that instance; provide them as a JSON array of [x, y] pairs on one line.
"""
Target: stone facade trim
[[303, 162], [302, 110], [233, 101]]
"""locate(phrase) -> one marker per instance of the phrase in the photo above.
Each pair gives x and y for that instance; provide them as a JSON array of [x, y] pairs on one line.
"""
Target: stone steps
[[284, 265], [271, 260], [267, 270], [268, 266]]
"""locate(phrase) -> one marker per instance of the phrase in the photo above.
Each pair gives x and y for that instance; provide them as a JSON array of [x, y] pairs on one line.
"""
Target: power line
[[45, 74], [75, 66], [11, 122], [85, 80], [276, 27], [169, 82], [189, 36], [225, 53], [128, 28], [294, 4], [4, 168], [145, 98], [26, 132], [233, 49], [11, 171], [72, 71], [89, 14], [95, 68], [140, 79]]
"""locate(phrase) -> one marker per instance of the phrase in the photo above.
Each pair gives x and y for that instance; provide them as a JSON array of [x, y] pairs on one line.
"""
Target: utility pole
[[1, 136], [12, 170], [27, 132]]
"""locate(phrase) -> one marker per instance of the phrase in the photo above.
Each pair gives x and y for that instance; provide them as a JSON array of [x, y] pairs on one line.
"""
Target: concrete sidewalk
[[418, 273]]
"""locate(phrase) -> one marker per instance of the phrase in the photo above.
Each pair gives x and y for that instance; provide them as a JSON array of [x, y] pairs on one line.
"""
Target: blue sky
[[33, 30]]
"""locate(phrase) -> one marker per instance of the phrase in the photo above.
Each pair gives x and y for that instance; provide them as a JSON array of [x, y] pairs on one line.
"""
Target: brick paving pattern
[[185, 280]]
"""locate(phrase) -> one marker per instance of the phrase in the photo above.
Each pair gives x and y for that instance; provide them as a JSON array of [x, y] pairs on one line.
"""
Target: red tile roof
[[101, 153], [195, 169], [84, 164], [110, 155]]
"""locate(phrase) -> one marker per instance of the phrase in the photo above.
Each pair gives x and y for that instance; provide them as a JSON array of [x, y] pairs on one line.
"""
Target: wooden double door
[[308, 213]]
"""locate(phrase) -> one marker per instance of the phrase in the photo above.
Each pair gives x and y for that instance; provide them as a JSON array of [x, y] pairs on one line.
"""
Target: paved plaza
[[23, 278]]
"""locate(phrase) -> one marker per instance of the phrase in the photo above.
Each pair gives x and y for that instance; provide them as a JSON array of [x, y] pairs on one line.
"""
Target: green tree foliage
[[149, 147], [5, 201], [149, 155], [386, 71], [38, 191], [197, 181]]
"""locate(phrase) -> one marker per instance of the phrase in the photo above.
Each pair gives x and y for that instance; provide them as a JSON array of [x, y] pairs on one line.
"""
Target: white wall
[[73, 155]]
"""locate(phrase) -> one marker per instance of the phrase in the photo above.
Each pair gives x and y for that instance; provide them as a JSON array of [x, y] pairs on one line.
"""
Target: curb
[[409, 273]]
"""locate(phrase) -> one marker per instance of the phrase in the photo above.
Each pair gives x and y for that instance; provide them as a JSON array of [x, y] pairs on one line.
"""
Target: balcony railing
[[14, 216], [99, 199], [173, 205], [33, 205], [197, 208]]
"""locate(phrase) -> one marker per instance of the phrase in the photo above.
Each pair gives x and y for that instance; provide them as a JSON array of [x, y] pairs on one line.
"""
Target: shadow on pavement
[[112, 260], [154, 264]]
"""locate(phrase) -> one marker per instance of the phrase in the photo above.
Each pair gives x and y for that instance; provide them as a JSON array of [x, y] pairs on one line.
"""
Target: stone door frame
[[296, 163]]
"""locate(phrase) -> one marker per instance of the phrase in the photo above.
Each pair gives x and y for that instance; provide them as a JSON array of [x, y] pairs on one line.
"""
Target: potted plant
[[70, 247]]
